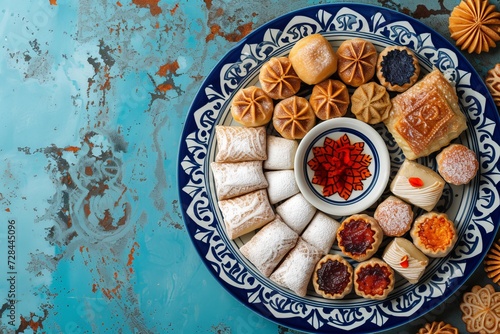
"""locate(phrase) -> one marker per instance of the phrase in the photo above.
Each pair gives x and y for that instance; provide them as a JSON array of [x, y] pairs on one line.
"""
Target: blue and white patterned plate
[[474, 208]]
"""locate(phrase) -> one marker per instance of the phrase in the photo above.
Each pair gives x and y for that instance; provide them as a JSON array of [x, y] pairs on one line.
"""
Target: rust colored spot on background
[[242, 31], [168, 68], [151, 4], [53, 2]]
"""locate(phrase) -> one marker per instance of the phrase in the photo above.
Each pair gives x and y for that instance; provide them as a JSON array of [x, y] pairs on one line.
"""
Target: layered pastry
[[397, 68], [293, 117], [246, 213], [359, 237], [426, 117], [473, 24], [237, 178], [492, 262], [438, 327], [332, 277], [313, 58], [394, 216], [278, 78], [418, 185], [281, 185], [373, 279], [371, 103], [480, 309], [321, 232], [402, 255], [251, 106], [296, 212], [492, 81], [269, 246], [296, 269], [434, 234], [457, 164], [237, 143], [357, 61], [280, 153], [329, 99]]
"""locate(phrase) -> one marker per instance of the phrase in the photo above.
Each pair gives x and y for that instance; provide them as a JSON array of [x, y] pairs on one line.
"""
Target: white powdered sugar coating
[[236, 143], [296, 212], [281, 185], [237, 178], [321, 232], [457, 164], [394, 216], [280, 153]]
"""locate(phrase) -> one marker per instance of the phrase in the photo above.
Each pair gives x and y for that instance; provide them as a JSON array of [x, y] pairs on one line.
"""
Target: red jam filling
[[373, 280], [356, 237], [333, 277]]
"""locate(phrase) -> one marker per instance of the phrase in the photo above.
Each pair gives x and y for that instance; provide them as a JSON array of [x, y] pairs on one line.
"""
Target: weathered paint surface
[[93, 98]]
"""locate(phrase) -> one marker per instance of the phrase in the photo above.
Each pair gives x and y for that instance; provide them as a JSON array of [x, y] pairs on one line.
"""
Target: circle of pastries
[[252, 107], [373, 279], [359, 237], [481, 309], [278, 78], [332, 277], [492, 262], [371, 103], [357, 61], [397, 68], [438, 327], [329, 99], [394, 216], [293, 117], [457, 164], [493, 83], [434, 234]]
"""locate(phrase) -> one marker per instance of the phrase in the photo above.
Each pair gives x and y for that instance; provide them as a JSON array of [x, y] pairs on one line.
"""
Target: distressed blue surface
[[89, 135]]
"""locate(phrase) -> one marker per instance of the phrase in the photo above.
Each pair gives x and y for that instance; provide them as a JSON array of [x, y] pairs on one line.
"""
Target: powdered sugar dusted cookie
[[394, 216], [281, 185], [237, 178], [321, 232], [296, 212], [280, 153], [238, 143]]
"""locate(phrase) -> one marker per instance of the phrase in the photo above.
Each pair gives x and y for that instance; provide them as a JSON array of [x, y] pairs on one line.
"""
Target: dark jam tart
[[373, 279], [359, 237], [397, 68], [333, 277]]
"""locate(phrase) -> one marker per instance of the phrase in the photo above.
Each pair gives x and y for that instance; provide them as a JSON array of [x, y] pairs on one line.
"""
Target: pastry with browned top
[[434, 234], [329, 99], [359, 237], [278, 78], [332, 277], [357, 61], [293, 117], [438, 327], [371, 103], [457, 164], [251, 106], [493, 83], [397, 68], [373, 279], [426, 117]]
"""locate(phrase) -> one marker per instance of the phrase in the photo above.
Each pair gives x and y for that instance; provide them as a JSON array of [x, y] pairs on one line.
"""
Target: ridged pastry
[[473, 24], [293, 117], [457, 164], [426, 117], [397, 68], [371, 103], [332, 277], [434, 234], [321, 232], [237, 178], [278, 78], [269, 246], [438, 327], [280, 153], [359, 237], [357, 61], [373, 279], [251, 106], [418, 184], [394, 216], [313, 58], [405, 258], [296, 269], [492, 262], [238, 143], [246, 213], [281, 185], [329, 99], [481, 309], [493, 83], [296, 212]]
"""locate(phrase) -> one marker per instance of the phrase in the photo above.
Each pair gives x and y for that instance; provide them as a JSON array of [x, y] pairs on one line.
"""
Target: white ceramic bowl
[[342, 166]]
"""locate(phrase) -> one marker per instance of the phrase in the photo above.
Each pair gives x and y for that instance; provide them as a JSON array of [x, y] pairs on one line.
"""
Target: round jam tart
[[434, 234], [329, 99], [373, 279], [333, 277], [357, 61], [293, 117], [252, 107], [359, 237], [397, 68], [278, 78]]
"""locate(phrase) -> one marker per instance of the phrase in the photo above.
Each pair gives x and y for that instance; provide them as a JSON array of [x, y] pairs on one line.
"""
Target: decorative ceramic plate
[[474, 208]]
